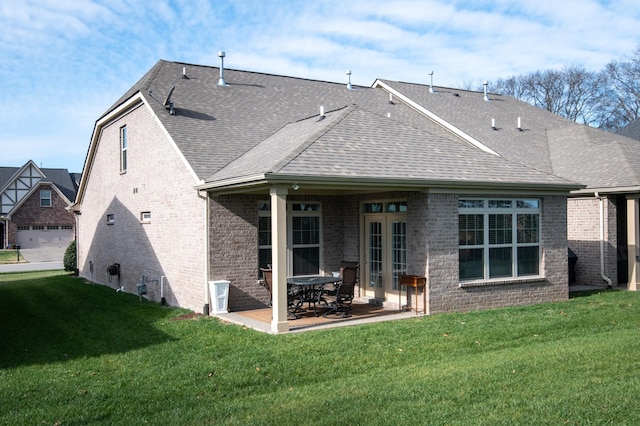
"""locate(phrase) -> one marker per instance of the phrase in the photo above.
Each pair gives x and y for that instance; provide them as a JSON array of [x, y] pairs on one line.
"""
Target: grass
[[10, 256], [73, 353]]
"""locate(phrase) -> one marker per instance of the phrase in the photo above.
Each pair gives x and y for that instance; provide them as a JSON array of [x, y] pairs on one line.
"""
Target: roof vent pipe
[[519, 124], [493, 124], [391, 98], [486, 96], [221, 82], [349, 83], [431, 82], [321, 111]]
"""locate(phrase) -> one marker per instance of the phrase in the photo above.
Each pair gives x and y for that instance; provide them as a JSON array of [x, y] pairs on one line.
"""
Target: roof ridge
[[344, 112]]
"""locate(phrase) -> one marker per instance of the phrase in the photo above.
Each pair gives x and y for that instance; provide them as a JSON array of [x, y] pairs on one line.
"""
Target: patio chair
[[344, 292], [266, 281], [292, 303]]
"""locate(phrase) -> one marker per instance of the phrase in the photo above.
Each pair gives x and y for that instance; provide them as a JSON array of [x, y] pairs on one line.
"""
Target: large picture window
[[303, 237], [498, 238]]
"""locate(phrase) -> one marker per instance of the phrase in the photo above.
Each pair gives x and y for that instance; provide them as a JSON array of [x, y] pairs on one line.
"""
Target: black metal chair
[[292, 296], [344, 291]]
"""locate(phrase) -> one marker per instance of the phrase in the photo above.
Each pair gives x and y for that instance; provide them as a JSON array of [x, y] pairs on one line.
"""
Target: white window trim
[[124, 147], [145, 217], [111, 219], [514, 211], [50, 198], [290, 247]]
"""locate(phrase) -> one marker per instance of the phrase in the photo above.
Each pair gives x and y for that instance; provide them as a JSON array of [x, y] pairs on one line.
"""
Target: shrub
[[70, 262]]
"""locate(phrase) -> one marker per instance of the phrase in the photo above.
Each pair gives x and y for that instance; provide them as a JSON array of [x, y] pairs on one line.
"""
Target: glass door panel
[[375, 254], [386, 254], [398, 251]]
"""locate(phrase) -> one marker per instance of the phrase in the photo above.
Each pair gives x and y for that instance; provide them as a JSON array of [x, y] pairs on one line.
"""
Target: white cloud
[[64, 62]]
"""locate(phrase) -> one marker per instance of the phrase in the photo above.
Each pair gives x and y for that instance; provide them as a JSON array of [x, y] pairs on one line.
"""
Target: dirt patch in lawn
[[189, 316]]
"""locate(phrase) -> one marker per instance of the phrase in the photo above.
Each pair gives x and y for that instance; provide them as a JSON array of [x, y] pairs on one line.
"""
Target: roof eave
[[263, 181]]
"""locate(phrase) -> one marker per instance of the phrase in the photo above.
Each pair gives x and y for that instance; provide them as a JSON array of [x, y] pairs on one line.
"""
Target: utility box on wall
[[219, 291]]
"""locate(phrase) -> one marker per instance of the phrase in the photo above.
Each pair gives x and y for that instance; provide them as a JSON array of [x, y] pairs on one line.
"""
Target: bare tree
[[624, 77], [572, 92]]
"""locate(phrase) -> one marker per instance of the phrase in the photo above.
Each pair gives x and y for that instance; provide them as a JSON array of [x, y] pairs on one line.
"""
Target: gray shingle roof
[[61, 178], [547, 142], [215, 126], [355, 142]]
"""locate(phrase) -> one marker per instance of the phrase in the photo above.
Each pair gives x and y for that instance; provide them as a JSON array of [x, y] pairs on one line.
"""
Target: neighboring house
[[34, 206], [196, 175]]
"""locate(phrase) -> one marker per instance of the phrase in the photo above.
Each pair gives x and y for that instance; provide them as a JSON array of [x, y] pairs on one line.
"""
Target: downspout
[[602, 275], [205, 308]]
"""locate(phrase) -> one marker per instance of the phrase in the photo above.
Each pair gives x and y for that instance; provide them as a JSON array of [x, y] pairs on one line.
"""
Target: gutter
[[602, 274]]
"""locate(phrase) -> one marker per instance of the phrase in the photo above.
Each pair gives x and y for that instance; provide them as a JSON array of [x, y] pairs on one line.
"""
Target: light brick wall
[[157, 181], [583, 219], [441, 236]]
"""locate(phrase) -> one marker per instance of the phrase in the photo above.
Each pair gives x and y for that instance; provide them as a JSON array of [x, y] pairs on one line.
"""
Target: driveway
[[41, 259]]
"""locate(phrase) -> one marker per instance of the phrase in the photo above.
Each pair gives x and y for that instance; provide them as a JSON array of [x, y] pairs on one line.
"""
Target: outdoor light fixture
[[295, 186]]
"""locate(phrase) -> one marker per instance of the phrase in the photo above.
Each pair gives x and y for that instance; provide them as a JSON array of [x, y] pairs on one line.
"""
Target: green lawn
[[73, 353], [9, 256]]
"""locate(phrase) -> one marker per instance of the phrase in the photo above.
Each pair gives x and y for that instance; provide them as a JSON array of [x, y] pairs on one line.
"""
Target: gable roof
[[60, 179], [225, 133]]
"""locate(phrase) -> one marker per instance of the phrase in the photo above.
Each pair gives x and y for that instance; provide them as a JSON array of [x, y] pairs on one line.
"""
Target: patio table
[[310, 289]]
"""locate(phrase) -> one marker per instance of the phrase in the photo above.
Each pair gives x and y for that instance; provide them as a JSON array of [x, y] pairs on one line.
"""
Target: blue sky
[[64, 62]]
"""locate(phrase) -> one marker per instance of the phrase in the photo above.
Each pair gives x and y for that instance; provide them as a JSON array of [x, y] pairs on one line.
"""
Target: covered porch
[[300, 229], [362, 313]]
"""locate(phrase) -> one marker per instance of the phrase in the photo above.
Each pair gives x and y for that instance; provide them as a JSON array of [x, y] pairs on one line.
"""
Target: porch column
[[279, 322], [633, 239]]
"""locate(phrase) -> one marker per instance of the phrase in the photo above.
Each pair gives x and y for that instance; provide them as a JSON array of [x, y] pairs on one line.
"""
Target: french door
[[385, 254]]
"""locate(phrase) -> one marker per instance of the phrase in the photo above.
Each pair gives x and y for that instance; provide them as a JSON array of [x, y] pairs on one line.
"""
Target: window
[[53, 227], [124, 142], [145, 217], [37, 228], [498, 238], [45, 198], [111, 219], [66, 227], [23, 227], [303, 236]]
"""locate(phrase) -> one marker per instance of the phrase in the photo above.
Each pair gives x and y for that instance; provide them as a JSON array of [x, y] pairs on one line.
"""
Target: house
[[201, 173], [34, 206]]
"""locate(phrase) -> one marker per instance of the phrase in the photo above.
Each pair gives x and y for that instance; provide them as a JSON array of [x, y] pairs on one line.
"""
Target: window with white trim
[[45, 198], [124, 144], [111, 219], [145, 217], [303, 237], [498, 238]]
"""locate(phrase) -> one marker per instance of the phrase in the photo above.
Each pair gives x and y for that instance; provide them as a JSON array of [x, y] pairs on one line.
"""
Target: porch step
[[375, 302]]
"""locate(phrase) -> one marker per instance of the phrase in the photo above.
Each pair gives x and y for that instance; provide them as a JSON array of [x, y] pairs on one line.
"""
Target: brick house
[[34, 206], [197, 174]]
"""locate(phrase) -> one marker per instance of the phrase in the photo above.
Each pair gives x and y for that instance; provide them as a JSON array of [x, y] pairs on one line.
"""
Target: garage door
[[44, 236]]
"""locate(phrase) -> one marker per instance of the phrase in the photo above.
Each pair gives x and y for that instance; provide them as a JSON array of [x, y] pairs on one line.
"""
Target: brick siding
[[157, 181], [31, 214], [583, 218]]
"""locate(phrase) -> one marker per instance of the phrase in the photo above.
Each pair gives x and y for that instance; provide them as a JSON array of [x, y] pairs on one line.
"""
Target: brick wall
[[441, 235], [583, 218], [156, 181], [31, 214]]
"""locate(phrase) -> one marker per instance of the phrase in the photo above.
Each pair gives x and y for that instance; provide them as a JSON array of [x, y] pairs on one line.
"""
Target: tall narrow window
[[45, 198], [124, 142]]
